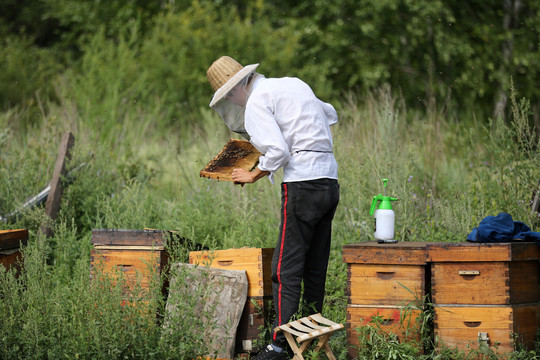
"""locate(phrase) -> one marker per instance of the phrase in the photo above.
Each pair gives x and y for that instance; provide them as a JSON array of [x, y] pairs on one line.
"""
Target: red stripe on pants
[[281, 252]]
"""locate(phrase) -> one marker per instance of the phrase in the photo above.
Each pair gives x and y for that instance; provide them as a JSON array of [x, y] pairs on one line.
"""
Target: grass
[[447, 172]]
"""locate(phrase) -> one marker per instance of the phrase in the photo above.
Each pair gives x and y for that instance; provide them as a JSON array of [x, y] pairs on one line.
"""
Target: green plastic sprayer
[[381, 207]]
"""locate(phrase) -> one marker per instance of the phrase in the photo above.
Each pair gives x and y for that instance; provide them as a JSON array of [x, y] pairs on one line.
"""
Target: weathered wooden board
[[123, 237], [222, 296], [144, 239], [235, 154], [52, 206]]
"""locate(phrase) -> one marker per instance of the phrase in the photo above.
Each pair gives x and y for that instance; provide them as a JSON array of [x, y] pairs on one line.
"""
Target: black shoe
[[270, 354]]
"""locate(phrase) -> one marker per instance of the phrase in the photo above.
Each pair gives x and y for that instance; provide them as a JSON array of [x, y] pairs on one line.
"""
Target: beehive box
[[257, 315], [487, 288], [138, 256], [403, 322], [385, 274], [255, 261], [385, 284], [485, 282], [386, 281], [10, 244], [500, 327], [483, 274]]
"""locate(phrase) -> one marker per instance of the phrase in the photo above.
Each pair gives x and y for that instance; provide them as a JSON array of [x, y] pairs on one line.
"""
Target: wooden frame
[[308, 329], [235, 154]]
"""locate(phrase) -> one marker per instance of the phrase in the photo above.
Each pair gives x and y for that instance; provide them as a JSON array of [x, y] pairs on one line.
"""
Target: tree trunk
[[511, 10]]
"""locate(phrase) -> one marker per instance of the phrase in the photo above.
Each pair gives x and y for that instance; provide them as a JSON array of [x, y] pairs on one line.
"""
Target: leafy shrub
[[183, 44], [27, 78]]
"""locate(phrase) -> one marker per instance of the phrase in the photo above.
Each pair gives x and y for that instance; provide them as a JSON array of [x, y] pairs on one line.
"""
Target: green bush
[[182, 45], [26, 79]]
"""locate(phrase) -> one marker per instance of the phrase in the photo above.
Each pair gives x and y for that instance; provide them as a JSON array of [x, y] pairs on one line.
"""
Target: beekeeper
[[290, 126]]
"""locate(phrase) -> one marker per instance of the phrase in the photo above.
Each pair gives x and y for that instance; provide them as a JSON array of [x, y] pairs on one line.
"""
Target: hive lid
[[466, 251], [123, 237], [141, 239], [235, 154], [12, 239], [371, 252]]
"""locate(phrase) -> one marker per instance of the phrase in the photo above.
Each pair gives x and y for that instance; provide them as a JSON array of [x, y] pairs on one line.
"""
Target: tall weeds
[[448, 174]]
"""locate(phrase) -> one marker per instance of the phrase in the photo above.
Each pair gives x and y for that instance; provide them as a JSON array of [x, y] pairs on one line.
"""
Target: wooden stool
[[308, 329]]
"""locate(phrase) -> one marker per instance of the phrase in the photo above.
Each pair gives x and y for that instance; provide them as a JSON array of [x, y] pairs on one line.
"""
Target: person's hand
[[241, 177]]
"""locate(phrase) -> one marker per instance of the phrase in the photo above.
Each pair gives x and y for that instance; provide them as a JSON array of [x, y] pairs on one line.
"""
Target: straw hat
[[224, 74]]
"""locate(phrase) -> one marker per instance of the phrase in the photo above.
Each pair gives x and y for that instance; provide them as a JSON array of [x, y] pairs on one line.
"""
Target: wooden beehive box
[[486, 288], [257, 315], [10, 245], [235, 154], [255, 261], [385, 274], [403, 322], [258, 309], [482, 274], [387, 281], [503, 327], [139, 256]]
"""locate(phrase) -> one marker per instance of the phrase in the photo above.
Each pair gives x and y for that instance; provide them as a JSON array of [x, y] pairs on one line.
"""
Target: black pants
[[303, 248]]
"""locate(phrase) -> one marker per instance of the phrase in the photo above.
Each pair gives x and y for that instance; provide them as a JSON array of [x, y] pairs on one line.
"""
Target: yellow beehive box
[[255, 261]]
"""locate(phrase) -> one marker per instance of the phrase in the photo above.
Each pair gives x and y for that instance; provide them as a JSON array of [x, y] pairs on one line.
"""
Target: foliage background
[[439, 97], [447, 51]]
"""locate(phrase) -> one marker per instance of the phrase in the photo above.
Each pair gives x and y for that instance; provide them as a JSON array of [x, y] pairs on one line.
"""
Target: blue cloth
[[502, 228]]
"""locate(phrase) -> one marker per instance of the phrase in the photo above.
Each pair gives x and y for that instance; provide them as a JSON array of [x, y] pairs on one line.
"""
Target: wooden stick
[[53, 200], [536, 199]]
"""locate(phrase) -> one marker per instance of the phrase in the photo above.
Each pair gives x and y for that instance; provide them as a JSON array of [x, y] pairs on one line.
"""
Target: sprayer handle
[[374, 202]]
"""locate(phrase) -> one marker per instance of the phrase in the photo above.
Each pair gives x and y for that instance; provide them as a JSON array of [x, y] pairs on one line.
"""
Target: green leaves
[[427, 50]]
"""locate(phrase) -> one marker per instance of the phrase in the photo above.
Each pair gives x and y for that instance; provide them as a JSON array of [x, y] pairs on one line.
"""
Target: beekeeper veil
[[231, 82]]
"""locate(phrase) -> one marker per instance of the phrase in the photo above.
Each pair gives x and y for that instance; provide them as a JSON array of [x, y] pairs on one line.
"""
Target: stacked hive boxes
[[485, 294], [481, 294], [385, 284], [257, 264]]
